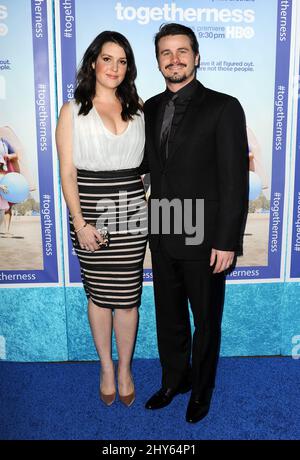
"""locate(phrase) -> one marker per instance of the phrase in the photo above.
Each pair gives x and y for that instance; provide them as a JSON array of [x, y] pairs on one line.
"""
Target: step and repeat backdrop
[[249, 49]]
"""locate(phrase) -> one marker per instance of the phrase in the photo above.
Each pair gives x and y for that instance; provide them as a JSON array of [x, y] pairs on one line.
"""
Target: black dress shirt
[[185, 94]]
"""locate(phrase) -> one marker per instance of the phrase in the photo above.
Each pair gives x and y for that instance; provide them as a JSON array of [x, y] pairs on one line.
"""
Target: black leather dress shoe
[[198, 408], [164, 396]]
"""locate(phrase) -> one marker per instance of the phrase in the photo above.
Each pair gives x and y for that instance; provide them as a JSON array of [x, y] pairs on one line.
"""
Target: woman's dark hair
[[176, 29], [86, 78]]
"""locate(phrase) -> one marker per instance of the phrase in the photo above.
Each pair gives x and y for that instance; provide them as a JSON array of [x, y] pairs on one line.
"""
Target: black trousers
[[175, 283]]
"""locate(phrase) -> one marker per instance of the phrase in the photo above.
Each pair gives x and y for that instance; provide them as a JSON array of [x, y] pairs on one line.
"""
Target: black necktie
[[166, 125]]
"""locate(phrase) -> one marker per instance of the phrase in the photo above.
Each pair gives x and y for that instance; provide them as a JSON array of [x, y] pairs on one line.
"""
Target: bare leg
[[2, 213], [8, 216], [101, 326], [125, 327]]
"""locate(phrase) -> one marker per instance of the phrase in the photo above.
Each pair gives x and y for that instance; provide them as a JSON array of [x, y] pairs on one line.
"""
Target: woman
[[4, 205], [9, 162], [100, 140]]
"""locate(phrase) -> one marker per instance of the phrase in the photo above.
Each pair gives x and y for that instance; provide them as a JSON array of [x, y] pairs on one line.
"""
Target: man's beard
[[176, 78]]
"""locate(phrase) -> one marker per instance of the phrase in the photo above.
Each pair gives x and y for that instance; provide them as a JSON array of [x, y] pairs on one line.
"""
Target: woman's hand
[[89, 238], [4, 188]]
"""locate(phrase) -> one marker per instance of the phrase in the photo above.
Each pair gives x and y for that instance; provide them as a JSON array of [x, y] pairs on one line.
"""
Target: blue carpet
[[255, 398]]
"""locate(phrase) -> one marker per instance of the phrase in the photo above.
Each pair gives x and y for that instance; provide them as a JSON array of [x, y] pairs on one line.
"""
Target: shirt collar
[[185, 92]]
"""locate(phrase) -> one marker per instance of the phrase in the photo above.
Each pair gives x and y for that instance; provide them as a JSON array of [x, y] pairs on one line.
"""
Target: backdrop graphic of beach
[[28, 248]]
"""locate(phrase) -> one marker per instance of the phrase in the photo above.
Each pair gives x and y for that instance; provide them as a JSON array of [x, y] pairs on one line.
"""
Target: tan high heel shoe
[[107, 399], [128, 400]]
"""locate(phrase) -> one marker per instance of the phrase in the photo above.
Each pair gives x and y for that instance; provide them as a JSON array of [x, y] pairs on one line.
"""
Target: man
[[196, 148]]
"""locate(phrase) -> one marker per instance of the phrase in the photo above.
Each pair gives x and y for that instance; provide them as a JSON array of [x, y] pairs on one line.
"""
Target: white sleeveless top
[[96, 148]]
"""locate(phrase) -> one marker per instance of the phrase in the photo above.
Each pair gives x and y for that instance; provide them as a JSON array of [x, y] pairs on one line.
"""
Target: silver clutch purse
[[103, 231]]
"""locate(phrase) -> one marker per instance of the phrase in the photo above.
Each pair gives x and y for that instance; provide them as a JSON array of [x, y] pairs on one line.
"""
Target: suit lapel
[[188, 121]]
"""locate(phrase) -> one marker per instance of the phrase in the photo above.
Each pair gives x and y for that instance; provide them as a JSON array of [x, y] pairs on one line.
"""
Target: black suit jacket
[[209, 160]]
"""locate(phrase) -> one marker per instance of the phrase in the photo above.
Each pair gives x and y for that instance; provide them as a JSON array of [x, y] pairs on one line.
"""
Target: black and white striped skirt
[[113, 276]]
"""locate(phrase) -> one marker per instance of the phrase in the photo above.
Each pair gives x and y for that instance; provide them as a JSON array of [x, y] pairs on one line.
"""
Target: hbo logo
[[239, 32]]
